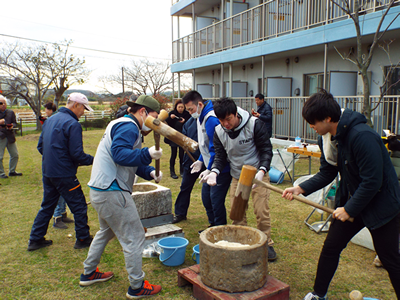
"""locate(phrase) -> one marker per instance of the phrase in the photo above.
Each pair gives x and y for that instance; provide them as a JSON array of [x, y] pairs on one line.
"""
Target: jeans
[[213, 198], [183, 200], [13, 151], [118, 217], [70, 189], [386, 243], [60, 208]]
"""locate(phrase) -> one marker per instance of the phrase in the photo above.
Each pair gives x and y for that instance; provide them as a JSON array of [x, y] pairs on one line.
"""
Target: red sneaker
[[94, 277], [146, 290]]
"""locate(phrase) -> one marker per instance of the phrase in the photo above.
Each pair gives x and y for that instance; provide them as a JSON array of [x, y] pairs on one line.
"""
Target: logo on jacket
[[246, 141]]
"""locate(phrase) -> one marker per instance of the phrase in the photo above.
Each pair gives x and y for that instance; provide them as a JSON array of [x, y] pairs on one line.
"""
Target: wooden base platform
[[272, 290]]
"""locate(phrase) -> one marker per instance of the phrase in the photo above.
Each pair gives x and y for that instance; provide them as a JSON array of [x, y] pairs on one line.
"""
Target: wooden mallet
[[171, 134], [251, 171]]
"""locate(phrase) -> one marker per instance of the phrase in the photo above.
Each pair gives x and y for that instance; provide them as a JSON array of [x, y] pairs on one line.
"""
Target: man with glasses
[[7, 138]]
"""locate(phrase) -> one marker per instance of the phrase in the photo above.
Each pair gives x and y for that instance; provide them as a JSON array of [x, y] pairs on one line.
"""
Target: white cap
[[80, 98]]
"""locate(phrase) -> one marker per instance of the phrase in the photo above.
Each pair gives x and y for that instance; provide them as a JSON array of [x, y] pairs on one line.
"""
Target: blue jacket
[[61, 145], [368, 187], [265, 112], [211, 123]]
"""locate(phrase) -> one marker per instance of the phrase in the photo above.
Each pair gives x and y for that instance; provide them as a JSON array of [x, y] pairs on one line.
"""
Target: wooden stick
[[298, 198]]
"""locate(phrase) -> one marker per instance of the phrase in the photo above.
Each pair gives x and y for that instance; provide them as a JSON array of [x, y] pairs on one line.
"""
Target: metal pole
[[222, 94], [179, 85], [325, 65], [263, 75], [230, 80]]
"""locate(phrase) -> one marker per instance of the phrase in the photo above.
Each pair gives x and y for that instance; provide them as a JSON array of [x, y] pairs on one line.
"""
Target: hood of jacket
[[208, 106], [347, 121], [244, 118]]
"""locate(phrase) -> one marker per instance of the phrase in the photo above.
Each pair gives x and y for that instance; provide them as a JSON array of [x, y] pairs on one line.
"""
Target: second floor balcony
[[270, 19]]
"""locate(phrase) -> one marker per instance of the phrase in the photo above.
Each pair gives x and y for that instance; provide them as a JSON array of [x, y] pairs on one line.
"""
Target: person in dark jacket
[[240, 140], [368, 190], [60, 213], [176, 119], [188, 179], [264, 112], [7, 138], [62, 152]]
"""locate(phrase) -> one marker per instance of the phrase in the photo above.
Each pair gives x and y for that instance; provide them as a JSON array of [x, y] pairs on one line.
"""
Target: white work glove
[[203, 175], [260, 175], [155, 154], [196, 166], [211, 179], [158, 178]]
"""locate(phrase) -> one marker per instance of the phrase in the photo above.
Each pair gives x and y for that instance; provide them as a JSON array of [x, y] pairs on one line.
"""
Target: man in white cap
[[62, 152], [119, 158]]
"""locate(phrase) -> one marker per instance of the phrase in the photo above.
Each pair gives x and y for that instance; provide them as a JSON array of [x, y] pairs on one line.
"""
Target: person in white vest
[[119, 158], [213, 197], [240, 139]]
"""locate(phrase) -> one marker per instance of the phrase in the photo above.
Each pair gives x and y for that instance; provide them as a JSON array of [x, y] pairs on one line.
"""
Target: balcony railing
[[287, 122], [270, 19]]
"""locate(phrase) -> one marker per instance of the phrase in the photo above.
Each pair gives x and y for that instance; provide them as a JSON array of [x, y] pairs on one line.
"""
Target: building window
[[312, 83]]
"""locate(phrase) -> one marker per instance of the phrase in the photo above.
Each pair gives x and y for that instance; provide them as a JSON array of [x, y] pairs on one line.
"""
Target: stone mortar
[[233, 269]]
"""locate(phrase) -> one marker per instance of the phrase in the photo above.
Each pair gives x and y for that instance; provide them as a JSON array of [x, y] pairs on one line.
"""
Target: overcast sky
[[138, 28]]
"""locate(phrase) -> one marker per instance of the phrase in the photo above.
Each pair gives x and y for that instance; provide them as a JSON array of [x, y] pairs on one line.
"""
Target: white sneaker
[[311, 296]]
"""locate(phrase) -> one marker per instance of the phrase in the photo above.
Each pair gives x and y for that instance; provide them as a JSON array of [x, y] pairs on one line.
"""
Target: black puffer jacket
[[368, 185], [9, 116]]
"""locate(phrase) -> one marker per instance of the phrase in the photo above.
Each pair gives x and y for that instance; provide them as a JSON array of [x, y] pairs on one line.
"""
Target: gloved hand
[[203, 175], [155, 154], [211, 179], [260, 175], [158, 178], [196, 166]]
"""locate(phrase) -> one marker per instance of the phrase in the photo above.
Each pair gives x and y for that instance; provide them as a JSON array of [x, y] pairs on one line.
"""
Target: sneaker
[[4, 176], [178, 218], [146, 290], [83, 243], [94, 277], [271, 253], [14, 174], [312, 296], [59, 224], [35, 245], [65, 219]]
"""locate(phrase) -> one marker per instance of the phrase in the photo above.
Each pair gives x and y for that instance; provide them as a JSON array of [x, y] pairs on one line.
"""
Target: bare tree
[[30, 71], [70, 69], [363, 60], [143, 77], [28, 74]]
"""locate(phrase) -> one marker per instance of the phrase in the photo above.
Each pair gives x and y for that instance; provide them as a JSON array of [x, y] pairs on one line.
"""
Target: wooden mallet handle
[[298, 198]]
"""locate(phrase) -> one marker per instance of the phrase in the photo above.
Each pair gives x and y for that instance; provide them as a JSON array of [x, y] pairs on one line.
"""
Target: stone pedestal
[[152, 200], [233, 269]]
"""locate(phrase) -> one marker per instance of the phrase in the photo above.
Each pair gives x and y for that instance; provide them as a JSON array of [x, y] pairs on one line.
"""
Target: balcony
[[268, 20]]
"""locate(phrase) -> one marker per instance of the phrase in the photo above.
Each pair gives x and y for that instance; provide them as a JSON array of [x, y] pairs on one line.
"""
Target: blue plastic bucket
[[196, 252], [275, 176], [173, 250]]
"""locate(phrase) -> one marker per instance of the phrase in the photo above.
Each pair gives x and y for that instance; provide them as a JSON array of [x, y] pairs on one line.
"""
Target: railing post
[[277, 18]]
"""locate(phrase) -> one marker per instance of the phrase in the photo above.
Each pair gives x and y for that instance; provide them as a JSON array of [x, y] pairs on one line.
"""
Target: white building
[[286, 50]]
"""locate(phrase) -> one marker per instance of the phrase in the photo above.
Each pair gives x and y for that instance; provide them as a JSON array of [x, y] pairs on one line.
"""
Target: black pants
[[386, 243], [174, 151]]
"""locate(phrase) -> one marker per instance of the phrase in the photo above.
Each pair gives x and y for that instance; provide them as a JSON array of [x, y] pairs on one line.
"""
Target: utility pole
[[123, 83]]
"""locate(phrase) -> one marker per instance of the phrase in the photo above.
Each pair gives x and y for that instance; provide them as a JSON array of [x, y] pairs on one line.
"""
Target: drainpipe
[[263, 75], [325, 66], [230, 78], [179, 85], [222, 82], [194, 79]]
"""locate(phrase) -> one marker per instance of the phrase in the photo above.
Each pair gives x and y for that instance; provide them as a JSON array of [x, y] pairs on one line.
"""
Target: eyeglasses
[[1, 103]]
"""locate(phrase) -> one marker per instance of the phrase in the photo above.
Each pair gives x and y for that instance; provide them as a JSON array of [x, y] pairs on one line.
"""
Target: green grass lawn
[[53, 272]]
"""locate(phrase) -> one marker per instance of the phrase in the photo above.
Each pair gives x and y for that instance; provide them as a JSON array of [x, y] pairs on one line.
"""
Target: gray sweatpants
[[118, 217]]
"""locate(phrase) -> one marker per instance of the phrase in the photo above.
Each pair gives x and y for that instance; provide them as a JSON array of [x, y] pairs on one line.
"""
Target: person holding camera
[[7, 138], [177, 117]]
